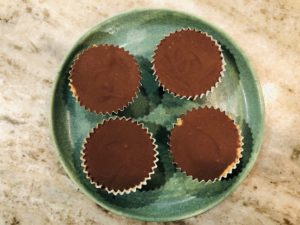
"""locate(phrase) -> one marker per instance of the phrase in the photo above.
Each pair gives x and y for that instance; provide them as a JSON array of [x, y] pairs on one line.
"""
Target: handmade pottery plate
[[170, 195]]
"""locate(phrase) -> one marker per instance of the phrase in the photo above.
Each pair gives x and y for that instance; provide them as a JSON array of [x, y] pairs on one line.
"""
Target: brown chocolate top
[[205, 144], [105, 78], [119, 155], [188, 63]]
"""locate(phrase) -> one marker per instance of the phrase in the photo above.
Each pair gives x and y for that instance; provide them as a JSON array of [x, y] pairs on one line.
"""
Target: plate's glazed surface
[[170, 195]]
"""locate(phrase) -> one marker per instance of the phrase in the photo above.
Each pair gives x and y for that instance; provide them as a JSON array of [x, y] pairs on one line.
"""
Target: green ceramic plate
[[170, 195]]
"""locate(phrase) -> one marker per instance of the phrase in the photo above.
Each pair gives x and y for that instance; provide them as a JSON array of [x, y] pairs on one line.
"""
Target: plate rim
[[77, 181]]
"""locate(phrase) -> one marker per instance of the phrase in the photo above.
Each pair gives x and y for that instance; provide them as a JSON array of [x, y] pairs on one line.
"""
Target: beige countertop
[[34, 38]]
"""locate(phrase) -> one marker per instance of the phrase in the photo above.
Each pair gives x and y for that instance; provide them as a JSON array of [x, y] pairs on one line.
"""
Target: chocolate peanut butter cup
[[188, 63], [119, 156], [206, 144], [104, 78]]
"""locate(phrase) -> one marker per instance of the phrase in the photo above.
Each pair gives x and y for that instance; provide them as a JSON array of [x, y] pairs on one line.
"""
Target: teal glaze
[[169, 195]]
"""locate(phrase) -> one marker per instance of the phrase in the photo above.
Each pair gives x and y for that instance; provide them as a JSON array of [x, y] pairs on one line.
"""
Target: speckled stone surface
[[34, 38]]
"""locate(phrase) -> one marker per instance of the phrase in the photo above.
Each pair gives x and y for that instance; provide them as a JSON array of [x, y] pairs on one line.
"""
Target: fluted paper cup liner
[[188, 63], [206, 144], [104, 78], [119, 156]]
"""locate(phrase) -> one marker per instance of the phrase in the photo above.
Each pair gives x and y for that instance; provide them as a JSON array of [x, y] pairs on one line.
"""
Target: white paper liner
[[222, 73], [132, 189], [230, 167], [73, 89]]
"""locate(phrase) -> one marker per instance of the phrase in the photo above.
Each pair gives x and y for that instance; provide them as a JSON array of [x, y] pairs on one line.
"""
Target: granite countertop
[[34, 38]]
